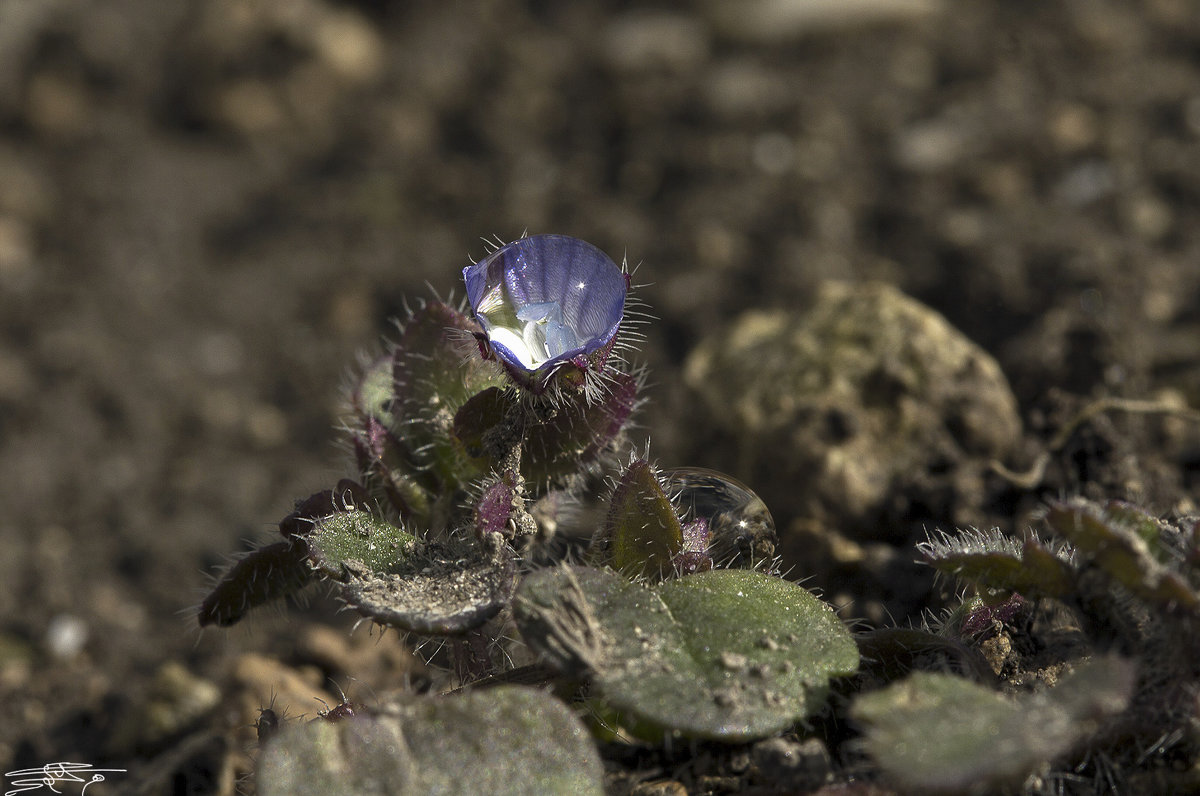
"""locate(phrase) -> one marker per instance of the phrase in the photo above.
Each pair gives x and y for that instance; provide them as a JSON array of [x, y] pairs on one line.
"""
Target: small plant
[[492, 452], [1112, 584]]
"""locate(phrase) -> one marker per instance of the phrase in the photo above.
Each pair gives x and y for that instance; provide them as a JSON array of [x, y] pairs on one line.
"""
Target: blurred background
[[209, 209]]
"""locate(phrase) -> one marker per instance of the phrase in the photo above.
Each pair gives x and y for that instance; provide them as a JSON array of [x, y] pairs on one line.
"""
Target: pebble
[[791, 765], [647, 39], [66, 636], [931, 145]]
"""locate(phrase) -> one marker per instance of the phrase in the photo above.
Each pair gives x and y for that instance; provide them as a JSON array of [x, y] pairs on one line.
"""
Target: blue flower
[[546, 301]]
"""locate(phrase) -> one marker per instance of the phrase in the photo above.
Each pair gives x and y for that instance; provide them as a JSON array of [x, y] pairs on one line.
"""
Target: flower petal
[[545, 300]]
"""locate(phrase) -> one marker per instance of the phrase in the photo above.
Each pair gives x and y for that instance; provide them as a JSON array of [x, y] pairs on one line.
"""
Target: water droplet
[[741, 527]]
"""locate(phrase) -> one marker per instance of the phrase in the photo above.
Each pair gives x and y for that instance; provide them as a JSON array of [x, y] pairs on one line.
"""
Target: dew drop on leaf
[[741, 527]]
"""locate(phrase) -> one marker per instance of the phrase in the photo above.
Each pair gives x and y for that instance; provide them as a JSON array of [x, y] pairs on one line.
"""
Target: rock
[[868, 412]]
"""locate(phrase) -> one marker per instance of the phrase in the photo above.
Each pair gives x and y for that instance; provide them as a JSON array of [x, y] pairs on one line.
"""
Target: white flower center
[[534, 333]]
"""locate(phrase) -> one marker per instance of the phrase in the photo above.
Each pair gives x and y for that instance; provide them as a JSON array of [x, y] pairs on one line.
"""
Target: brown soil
[[208, 209]]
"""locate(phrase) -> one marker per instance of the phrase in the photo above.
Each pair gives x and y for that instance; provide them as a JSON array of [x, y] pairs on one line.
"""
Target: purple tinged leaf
[[494, 508], [693, 556], [545, 302], [981, 621], [300, 522]]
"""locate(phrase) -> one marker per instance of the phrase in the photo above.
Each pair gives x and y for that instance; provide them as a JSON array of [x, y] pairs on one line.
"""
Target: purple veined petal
[[545, 300]]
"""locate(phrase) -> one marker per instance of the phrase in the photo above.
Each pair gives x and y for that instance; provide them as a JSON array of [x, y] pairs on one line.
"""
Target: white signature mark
[[53, 774]]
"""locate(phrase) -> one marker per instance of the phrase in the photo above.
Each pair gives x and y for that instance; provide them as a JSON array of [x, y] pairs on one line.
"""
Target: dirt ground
[[208, 210]]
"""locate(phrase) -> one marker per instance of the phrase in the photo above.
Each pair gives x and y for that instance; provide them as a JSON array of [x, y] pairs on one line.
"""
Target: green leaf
[[506, 740], [359, 540], [436, 370], [390, 576], [642, 534], [1117, 540], [945, 734], [994, 561], [728, 655], [443, 589]]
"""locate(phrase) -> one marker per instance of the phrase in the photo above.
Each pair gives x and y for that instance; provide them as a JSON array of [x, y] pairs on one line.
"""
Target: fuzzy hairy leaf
[[945, 734], [575, 433], [995, 561], [480, 414], [434, 374], [1118, 539], [505, 740], [441, 589], [642, 534], [893, 652], [727, 655], [387, 464], [359, 540], [374, 393], [264, 575], [432, 366], [396, 579]]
